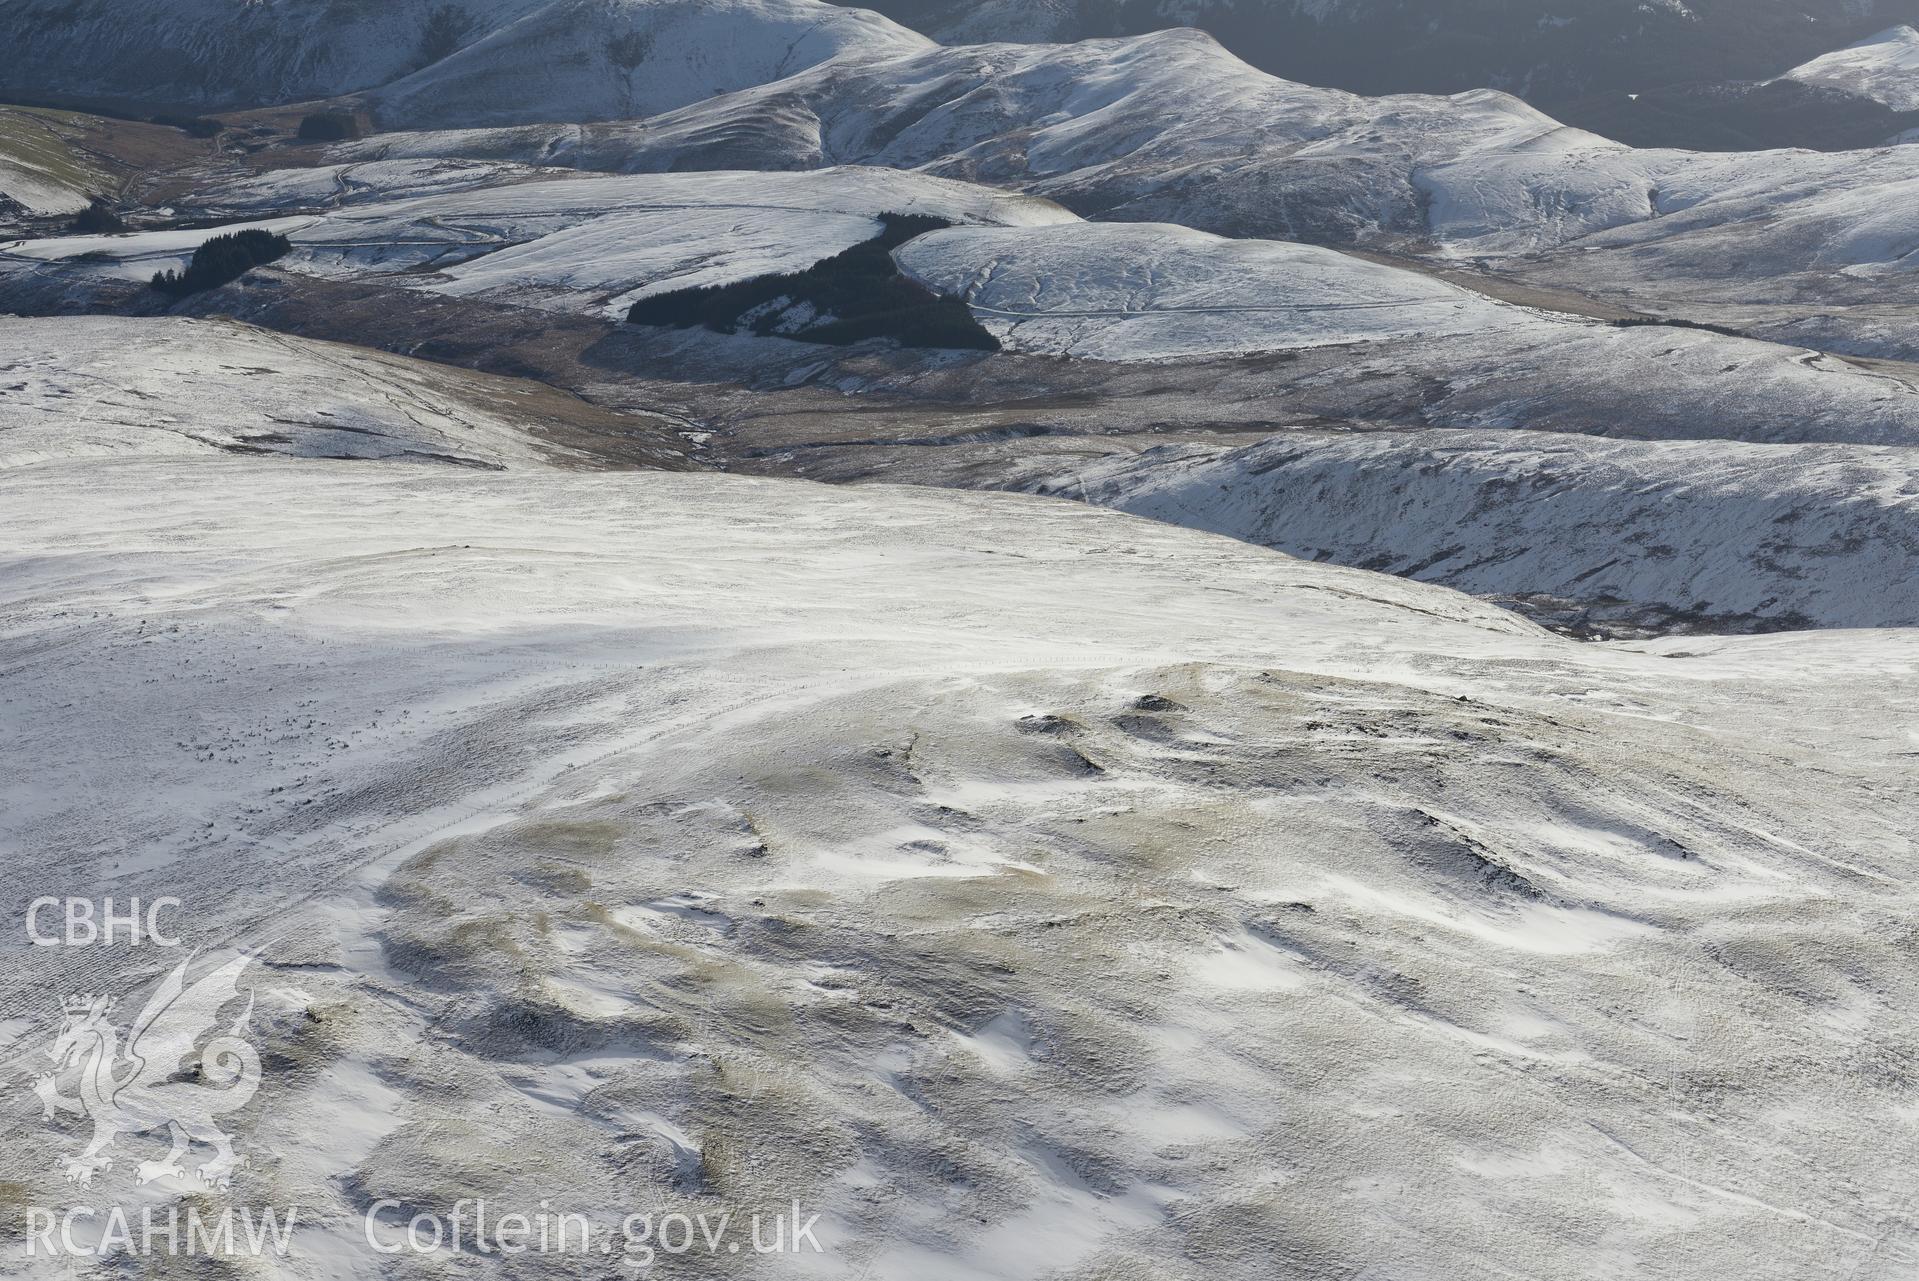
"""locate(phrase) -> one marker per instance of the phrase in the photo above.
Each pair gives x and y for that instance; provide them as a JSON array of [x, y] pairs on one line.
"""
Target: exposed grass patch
[[304, 1041], [589, 839], [468, 953], [44, 144], [557, 878]]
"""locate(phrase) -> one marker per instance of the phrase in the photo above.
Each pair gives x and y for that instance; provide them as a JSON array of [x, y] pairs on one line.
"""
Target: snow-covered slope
[[1425, 351], [1164, 127], [1171, 128], [125, 256], [1581, 56], [1022, 888], [577, 60], [1139, 129], [43, 170], [575, 244], [468, 61], [1884, 68], [335, 185], [89, 386], [1762, 215], [1708, 531], [1147, 292]]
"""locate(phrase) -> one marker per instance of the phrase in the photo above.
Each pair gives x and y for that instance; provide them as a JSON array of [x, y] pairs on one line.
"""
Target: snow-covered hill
[[73, 388], [1579, 60], [1884, 68], [43, 169], [1021, 887], [434, 61], [1430, 352], [1706, 534], [1165, 127], [1156, 293], [580, 60], [1151, 292], [577, 244], [1171, 128]]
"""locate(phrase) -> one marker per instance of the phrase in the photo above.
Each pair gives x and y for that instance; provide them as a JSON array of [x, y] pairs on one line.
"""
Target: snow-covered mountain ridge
[[1733, 534], [467, 57], [1884, 67], [1172, 128], [1686, 63], [434, 62]]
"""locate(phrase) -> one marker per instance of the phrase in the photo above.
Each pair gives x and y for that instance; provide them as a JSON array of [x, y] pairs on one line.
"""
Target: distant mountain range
[[1554, 51], [1649, 72], [442, 63], [1710, 75]]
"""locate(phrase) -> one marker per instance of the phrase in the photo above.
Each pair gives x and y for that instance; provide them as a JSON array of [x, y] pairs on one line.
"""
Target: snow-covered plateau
[[1026, 889]]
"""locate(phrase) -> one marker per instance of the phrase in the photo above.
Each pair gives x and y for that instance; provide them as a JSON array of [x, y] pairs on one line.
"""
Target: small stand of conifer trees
[[223, 259]]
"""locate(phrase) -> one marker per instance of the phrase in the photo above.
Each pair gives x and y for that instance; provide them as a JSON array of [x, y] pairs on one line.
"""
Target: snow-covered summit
[[468, 61], [1884, 68], [1163, 127], [581, 60]]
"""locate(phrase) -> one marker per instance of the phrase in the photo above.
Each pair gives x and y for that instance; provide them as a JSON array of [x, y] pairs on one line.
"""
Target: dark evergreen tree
[[222, 260], [98, 219], [330, 126], [852, 296]]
